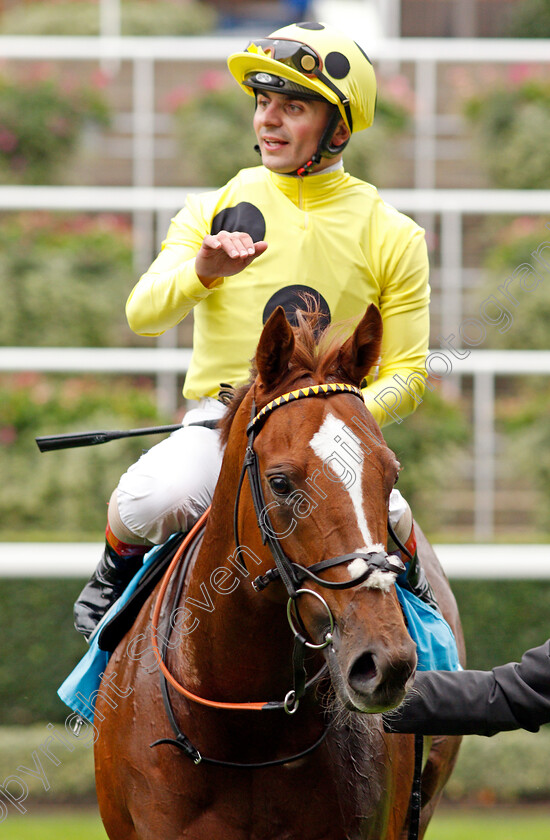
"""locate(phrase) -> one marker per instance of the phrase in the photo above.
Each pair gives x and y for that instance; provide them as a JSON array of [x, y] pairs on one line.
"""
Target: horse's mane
[[315, 357]]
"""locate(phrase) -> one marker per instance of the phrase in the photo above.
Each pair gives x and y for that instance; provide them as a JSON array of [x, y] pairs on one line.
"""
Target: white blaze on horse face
[[324, 445], [349, 473]]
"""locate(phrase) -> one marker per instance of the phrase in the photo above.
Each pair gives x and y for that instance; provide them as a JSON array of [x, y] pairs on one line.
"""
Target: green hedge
[[43, 647], [42, 117], [520, 252], [530, 19], [36, 617], [64, 280], [511, 122], [502, 618], [524, 323], [428, 444], [66, 492], [528, 443], [509, 767], [71, 780]]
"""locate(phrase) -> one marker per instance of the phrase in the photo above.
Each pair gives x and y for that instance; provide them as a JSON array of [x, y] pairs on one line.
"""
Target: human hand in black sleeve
[[512, 696]]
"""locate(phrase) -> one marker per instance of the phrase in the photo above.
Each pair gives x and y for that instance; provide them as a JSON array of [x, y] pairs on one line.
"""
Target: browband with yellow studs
[[300, 393]]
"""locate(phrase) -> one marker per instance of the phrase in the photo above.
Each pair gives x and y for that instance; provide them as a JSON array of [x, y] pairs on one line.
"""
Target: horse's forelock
[[316, 354]]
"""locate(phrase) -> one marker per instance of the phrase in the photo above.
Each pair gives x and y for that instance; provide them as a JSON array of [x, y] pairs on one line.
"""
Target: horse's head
[[326, 476]]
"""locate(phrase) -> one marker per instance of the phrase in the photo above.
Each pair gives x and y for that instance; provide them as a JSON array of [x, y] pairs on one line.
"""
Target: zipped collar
[[309, 190]]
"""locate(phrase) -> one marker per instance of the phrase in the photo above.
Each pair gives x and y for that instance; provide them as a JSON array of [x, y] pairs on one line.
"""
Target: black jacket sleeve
[[512, 696]]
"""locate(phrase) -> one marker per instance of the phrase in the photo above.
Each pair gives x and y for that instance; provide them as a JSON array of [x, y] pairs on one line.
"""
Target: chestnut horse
[[327, 770]]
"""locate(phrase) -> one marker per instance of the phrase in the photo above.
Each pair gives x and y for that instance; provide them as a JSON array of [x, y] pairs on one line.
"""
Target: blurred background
[[111, 111]]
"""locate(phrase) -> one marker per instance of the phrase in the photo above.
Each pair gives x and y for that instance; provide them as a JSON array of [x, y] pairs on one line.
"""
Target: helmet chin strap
[[324, 148]]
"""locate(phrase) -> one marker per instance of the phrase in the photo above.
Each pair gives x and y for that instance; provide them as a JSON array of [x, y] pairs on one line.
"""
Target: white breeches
[[172, 484]]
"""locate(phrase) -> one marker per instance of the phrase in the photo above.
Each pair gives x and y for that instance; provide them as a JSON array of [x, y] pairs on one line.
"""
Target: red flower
[[8, 140], [8, 435]]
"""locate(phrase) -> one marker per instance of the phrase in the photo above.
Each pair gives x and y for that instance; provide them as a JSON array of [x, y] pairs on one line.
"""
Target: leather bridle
[[289, 572], [292, 574]]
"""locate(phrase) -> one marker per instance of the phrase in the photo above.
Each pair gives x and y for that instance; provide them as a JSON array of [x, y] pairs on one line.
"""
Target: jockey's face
[[289, 130]]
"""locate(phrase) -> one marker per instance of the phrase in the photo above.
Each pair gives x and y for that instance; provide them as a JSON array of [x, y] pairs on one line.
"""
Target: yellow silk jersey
[[328, 233]]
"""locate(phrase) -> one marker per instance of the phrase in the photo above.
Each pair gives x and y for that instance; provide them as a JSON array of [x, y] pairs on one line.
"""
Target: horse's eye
[[280, 485]]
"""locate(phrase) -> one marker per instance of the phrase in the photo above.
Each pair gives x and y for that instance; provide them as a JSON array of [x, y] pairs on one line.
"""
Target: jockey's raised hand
[[226, 254]]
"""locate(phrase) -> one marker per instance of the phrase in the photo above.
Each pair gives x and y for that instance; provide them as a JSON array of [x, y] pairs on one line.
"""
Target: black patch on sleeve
[[291, 298], [244, 217]]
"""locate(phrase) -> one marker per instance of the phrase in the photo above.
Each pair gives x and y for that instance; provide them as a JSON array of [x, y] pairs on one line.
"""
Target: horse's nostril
[[362, 671]]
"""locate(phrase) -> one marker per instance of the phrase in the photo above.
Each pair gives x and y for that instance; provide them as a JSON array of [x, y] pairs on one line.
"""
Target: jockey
[[296, 224]]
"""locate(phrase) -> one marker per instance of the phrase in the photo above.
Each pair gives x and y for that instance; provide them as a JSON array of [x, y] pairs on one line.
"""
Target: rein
[[191, 538], [181, 741]]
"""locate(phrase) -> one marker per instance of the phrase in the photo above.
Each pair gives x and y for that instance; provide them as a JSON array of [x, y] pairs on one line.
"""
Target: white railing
[[212, 48], [135, 360], [470, 561], [483, 365]]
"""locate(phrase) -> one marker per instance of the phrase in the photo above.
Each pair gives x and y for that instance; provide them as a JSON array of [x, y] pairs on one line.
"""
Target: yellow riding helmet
[[317, 58]]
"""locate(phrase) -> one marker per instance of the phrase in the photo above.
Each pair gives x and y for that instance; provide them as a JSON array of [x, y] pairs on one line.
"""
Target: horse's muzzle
[[373, 680]]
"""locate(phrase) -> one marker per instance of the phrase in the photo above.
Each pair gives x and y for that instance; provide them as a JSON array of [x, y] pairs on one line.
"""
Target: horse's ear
[[275, 348], [362, 349]]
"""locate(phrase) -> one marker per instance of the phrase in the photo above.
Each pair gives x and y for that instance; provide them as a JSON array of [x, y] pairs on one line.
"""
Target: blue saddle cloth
[[79, 690], [435, 642], [435, 646]]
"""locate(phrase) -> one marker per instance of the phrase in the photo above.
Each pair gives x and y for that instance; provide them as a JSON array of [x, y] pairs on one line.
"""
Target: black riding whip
[[71, 440]]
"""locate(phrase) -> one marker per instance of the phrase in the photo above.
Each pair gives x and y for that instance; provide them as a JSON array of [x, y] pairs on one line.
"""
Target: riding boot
[[417, 582], [414, 578], [108, 582]]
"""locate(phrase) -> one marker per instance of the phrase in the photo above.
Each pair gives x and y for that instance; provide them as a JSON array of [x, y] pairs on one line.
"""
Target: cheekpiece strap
[[309, 391]]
